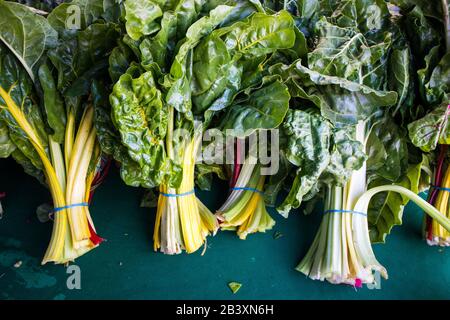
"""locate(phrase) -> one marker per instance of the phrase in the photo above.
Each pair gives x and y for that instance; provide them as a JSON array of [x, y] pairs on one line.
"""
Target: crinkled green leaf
[[159, 48], [345, 53], [370, 17], [109, 138], [430, 9], [186, 12], [107, 135], [346, 155], [260, 34], [241, 9], [231, 58], [141, 119], [140, 17], [217, 77], [307, 148], [179, 94], [341, 101], [300, 48]]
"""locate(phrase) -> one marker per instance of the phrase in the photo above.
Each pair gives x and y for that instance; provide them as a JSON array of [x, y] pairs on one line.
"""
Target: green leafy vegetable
[[26, 34]]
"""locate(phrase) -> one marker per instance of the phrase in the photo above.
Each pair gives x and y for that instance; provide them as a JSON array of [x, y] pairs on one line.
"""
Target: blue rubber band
[[169, 195], [440, 188], [345, 211], [248, 189], [82, 204]]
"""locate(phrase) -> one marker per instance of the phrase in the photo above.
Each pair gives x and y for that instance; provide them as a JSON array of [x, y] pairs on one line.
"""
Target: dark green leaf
[[79, 53], [265, 108], [26, 34], [53, 104], [6, 145]]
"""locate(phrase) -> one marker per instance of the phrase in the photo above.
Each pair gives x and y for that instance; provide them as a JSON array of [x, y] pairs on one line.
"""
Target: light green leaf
[[139, 116], [140, 17]]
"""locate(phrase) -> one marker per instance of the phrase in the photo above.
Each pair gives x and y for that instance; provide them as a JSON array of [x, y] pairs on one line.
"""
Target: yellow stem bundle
[[68, 182], [182, 221], [439, 234]]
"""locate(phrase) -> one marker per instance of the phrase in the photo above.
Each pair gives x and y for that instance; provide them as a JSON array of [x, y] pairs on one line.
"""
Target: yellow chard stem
[[78, 225], [363, 202], [80, 230], [56, 246], [58, 162], [69, 138]]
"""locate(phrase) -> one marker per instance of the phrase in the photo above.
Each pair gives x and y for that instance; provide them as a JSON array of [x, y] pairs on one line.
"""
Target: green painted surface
[[125, 267]]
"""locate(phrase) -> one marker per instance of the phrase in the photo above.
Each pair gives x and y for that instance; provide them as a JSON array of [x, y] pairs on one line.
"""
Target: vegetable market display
[[356, 90]]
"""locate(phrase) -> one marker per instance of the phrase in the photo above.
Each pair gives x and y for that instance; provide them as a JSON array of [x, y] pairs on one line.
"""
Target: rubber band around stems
[[440, 188], [82, 204], [57, 209], [345, 211], [248, 189], [170, 195]]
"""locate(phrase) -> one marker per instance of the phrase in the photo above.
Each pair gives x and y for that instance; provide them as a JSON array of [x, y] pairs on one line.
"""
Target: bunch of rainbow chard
[[244, 209], [47, 111], [428, 29], [177, 71], [348, 101]]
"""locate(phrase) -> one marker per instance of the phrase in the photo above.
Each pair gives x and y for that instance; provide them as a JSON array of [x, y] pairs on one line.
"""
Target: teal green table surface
[[126, 267]]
